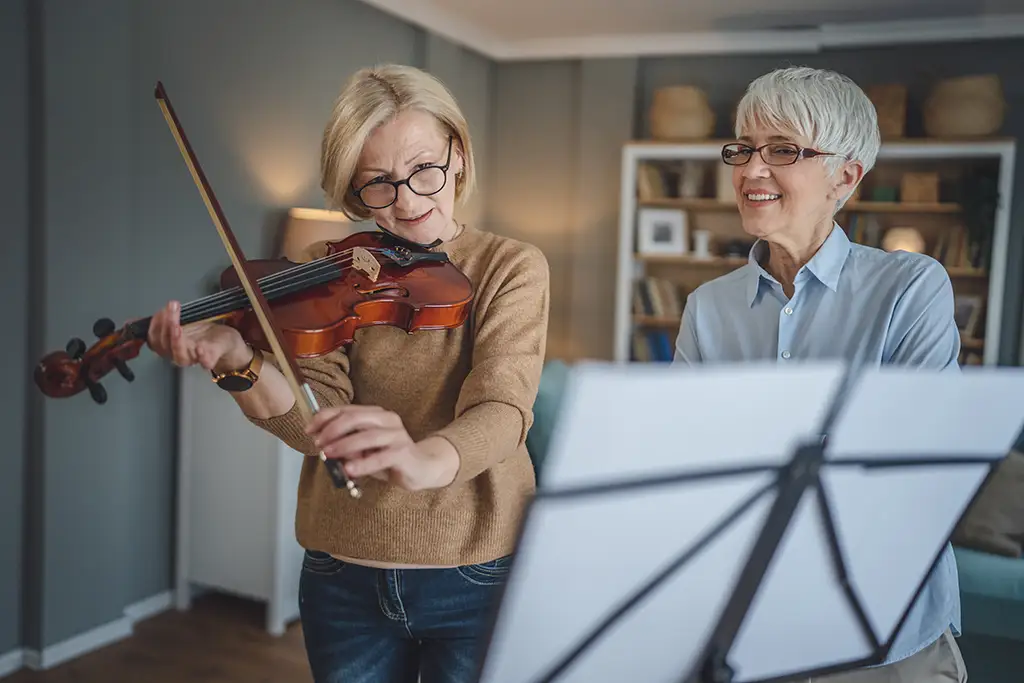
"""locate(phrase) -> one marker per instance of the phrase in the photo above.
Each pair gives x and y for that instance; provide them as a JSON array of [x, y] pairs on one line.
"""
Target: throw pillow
[[995, 523]]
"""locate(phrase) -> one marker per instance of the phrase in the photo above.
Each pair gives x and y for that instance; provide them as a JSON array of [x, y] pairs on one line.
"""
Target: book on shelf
[[657, 297], [653, 345], [661, 301]]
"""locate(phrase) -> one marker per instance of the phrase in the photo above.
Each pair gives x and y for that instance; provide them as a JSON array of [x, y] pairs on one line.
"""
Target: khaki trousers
[[940, 662]]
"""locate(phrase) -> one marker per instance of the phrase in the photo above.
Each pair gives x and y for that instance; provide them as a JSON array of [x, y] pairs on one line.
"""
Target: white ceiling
[[545, 29]]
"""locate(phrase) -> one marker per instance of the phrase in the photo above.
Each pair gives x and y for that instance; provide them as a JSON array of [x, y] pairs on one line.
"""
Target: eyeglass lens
[[425, 181], [773, 154]]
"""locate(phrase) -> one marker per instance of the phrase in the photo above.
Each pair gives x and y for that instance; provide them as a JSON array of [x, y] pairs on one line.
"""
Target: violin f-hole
[[386, 289]]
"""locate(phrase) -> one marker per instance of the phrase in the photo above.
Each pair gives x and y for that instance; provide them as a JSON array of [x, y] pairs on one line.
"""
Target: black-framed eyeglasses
[[424, 181], [773, 153]]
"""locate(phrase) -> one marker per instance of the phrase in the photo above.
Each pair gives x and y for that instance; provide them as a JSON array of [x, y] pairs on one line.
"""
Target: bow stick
[[304, 397]]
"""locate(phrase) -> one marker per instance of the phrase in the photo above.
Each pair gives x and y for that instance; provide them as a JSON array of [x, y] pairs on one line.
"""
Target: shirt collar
[[826, 264]]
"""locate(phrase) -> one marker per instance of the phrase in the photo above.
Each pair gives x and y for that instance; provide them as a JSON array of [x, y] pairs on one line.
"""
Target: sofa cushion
[[995, 522], [992, 593], [545, 411]]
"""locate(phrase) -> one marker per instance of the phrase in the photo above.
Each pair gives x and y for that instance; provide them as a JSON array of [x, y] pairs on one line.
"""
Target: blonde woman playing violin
[[398, 585]]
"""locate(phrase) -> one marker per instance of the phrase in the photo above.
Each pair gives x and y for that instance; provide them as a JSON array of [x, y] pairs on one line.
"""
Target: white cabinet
[[236, 505]]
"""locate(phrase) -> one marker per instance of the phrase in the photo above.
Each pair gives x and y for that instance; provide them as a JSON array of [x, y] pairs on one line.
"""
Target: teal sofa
[[992, 605], [545, 411], [991, 586]]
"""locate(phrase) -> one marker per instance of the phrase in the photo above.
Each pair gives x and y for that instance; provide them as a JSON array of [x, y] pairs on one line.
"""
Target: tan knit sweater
[[475, 386]]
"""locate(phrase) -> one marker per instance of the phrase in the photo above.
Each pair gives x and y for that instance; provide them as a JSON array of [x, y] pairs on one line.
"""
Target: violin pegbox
[[364, 261], [77, 368]]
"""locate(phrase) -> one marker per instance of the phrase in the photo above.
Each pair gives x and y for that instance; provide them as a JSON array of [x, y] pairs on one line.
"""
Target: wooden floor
[[221, 639]]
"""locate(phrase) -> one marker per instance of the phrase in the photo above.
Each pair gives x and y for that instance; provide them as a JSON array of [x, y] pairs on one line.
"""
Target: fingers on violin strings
[[160, 331], [182, 349]]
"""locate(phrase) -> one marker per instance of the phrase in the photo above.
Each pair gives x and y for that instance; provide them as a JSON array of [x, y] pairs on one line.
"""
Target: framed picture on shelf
[[967, 313], [662, 231]]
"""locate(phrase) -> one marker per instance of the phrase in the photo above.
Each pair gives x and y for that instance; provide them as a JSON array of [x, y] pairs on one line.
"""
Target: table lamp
[[305, 230]]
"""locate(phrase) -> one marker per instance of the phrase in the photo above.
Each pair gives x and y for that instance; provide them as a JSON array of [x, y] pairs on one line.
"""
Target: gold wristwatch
[[241, 380]]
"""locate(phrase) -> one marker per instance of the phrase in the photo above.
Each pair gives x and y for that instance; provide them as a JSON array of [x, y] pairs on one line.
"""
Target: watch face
[[234, 383]]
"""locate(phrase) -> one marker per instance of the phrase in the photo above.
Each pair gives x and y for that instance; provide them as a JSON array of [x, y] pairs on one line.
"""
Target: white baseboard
[[150, 607], [11, 662], [94, 639]]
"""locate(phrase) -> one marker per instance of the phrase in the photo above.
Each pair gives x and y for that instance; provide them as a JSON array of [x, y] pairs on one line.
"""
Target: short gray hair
[[823, 106]]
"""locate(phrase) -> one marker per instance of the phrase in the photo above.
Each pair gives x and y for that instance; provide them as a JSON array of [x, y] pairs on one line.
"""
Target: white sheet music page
[[621, 422], [582, 556], [893, 521]]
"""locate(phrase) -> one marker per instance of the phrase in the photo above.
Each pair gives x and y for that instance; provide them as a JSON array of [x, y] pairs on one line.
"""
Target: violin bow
[[304, 397]]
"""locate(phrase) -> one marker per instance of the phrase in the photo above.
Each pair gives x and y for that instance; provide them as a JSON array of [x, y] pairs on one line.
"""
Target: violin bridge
[[364, 261]]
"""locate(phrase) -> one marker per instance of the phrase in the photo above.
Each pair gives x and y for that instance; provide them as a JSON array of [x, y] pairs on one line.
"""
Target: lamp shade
[[903, 239], [305, 231]]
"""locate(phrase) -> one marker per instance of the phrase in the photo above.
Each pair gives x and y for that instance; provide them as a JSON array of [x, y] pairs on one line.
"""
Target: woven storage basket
[[970, 106], [681, 112]]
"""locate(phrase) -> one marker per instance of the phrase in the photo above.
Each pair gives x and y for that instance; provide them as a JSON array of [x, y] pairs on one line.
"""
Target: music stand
[[743, 523]]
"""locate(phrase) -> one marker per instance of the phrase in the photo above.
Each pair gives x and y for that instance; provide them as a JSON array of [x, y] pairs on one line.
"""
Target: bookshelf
[[934, 188]]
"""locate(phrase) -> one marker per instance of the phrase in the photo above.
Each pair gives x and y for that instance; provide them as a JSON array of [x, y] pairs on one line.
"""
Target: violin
[[292, 310], [366, 279]]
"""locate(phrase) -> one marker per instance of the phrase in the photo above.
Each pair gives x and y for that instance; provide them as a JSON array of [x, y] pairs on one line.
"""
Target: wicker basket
[[970, 106], [681, 112]]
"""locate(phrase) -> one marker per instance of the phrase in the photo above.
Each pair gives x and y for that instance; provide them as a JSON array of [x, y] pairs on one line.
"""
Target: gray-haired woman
[[804, 140]]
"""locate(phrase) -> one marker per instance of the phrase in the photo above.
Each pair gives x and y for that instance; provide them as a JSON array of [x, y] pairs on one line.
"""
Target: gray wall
[[14, 280], [556, 140], [919, 67], [469, 76], [118, 228]]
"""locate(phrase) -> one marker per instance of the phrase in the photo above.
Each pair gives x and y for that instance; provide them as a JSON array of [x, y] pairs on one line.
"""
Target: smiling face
[[410, 142], [789, 204]]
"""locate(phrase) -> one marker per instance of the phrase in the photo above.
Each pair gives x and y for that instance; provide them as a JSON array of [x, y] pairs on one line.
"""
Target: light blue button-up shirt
[[850, 302]]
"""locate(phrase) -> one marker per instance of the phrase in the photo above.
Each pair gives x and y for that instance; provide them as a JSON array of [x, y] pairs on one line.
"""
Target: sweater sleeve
[[328, 378], [494, 410]]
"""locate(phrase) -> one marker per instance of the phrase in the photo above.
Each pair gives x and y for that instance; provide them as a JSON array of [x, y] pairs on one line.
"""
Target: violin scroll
[[64, 373]]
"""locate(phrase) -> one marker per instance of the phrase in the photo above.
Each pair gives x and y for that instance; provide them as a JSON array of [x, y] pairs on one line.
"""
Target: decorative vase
[[969, 106], [681, 112]]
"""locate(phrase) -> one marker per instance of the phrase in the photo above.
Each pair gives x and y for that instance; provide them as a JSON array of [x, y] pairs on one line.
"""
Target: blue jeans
[[367, 625]]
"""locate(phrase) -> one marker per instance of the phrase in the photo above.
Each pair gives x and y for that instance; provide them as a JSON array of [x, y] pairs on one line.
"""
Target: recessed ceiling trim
[[422, 13], [917, 31]]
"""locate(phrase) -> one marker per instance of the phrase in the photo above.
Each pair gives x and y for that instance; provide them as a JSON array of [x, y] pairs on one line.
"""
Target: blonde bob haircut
[[372, 97]]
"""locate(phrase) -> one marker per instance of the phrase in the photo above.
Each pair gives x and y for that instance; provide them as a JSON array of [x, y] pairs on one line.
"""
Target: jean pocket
[[491, 573], [319, 562]]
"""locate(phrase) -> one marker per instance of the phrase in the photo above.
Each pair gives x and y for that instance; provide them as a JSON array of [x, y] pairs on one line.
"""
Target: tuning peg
[[123, 368], [75, 348], [96, 390], [103, 327]]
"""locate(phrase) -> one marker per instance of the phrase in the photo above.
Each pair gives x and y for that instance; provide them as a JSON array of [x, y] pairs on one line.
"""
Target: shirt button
[[785, 354], [787, 310]]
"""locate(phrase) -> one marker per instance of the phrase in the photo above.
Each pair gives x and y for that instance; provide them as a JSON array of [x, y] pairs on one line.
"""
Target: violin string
[[214, 304], [269, 284], [274, 285], [288, 273], [281, 283]]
